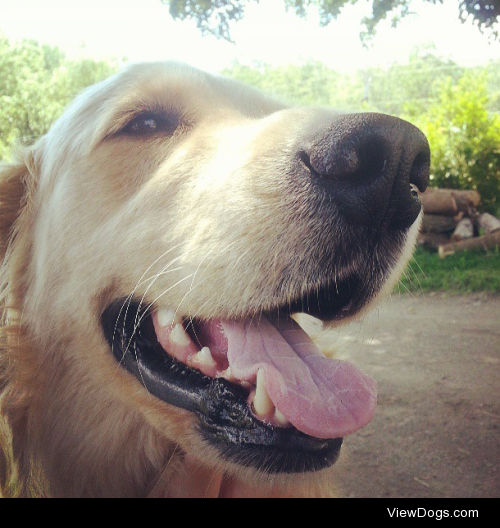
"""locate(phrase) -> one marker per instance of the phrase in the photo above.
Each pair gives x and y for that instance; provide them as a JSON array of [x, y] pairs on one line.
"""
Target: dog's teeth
[[262, 403], [167, 318], [228, 375], [204, 357], [179, 336], [280, 419]]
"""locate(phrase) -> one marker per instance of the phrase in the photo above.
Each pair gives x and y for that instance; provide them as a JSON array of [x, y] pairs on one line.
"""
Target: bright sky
[[142, 30]]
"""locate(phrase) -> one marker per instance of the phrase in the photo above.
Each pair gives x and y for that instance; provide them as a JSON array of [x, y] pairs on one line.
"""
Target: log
[[489, 223], [464, 230], [433, 240], [449, 202], [486, 242], [438, 224]]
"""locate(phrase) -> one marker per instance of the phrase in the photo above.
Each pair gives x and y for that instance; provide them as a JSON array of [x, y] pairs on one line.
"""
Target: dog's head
[[178, 224]]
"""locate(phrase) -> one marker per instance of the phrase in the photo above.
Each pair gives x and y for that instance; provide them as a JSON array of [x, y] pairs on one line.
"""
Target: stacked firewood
[[453, 223]]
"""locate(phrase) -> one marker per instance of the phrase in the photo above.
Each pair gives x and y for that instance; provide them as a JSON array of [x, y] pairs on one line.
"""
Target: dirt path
[[437, 431]]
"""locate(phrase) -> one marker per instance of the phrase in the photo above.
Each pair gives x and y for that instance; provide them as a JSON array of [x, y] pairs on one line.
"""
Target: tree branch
[[214, 16]]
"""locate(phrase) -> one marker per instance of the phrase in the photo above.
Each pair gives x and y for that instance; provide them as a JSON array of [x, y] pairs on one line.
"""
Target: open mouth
[[265, 396]]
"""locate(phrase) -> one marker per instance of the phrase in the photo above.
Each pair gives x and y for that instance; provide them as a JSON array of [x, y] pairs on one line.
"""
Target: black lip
[[333, 302], [225, 420]]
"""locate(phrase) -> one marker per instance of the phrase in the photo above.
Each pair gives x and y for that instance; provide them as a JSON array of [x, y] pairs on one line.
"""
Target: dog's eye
[[150, 124]]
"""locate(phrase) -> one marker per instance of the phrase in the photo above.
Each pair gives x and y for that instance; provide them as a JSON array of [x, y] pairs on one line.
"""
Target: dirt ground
[[437, 429]]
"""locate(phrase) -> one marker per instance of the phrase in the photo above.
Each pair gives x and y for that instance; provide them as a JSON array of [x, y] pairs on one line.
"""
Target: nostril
[[419, 176], [303, 156]]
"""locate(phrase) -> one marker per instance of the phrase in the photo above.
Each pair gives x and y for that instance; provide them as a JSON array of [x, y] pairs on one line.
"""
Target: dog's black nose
[[371, 166]]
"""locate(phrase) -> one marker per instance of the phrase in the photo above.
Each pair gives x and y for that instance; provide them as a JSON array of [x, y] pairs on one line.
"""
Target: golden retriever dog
[[158, 247]]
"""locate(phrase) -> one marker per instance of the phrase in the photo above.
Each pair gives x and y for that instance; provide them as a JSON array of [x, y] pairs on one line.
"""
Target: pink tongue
[[321, 397]]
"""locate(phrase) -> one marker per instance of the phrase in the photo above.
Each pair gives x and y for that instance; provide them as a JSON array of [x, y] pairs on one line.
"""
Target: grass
[[469, 272]]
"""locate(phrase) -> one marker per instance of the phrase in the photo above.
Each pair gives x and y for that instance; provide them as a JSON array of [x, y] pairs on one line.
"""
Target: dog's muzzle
[[264, 395]]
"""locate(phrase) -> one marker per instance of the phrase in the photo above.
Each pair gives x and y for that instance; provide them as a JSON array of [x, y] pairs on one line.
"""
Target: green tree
[[36, 84], [409, 89], [23, 82], [214, 16], [465, 139], [310, 83], [403, 89], [493, 71]]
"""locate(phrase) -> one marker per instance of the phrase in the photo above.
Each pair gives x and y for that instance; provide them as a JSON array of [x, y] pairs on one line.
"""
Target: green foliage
[[214, 16], [493, 72], [36, 84], [409, 88], [465, 139], [311, 83], [402, 89], [467, 272]]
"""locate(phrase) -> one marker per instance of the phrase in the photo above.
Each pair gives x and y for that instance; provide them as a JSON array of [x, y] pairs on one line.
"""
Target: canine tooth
[[228, 375], [179, 336], [204, 357], [280, 419], [262, 403], [167, 318]]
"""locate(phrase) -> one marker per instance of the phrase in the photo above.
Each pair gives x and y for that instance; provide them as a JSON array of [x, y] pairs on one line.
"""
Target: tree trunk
[[464, 230], [438, 224], [486, 242], [489, 223], [449, 202]]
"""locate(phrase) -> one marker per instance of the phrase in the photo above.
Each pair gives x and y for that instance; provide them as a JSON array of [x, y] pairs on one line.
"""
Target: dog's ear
[[17, 183]]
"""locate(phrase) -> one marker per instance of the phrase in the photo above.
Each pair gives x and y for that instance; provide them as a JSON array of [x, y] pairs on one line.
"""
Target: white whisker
[[128, 300], [148, 308], [200, 282]]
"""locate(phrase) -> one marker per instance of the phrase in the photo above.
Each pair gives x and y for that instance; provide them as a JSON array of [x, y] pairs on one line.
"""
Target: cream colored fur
[[194, 223]]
